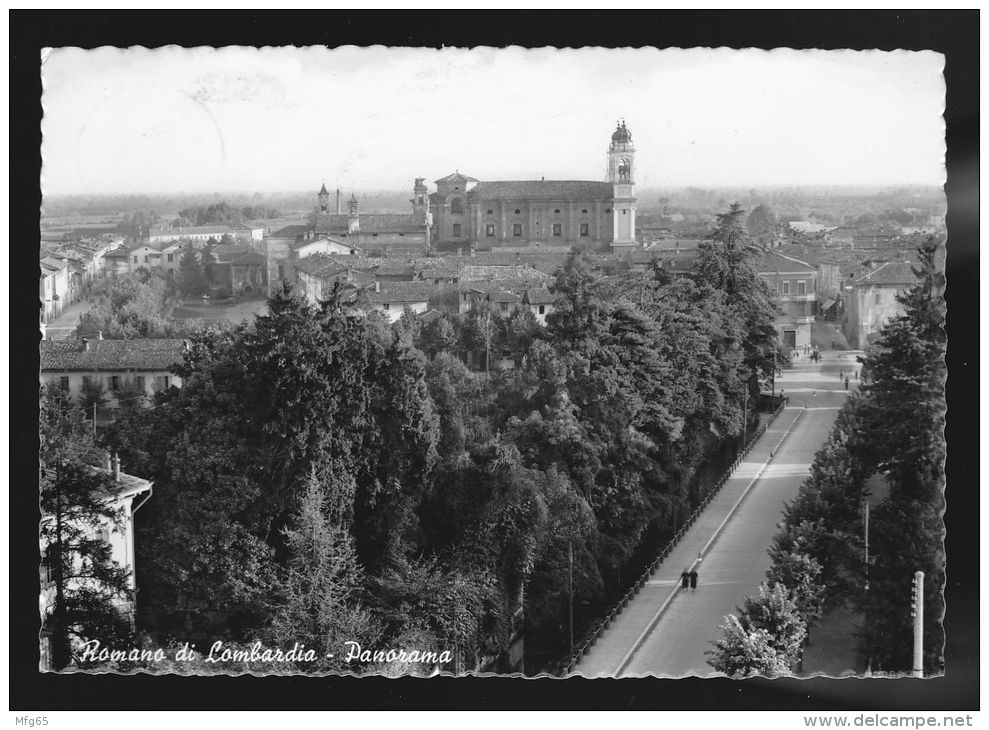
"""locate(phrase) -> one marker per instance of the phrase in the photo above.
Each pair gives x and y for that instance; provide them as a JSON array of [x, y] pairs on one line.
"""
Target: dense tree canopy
[[450, 499]]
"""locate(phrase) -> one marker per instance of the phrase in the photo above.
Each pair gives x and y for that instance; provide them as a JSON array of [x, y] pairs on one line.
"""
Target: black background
[[953, 33]]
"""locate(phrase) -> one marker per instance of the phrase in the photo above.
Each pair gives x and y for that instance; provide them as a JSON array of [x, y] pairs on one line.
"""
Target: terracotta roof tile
[[543, 189], [374, 223], [111, 355], [402, 292], [892, 273]]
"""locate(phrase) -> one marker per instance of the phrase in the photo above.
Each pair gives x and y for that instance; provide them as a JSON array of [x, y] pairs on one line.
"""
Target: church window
[[489, 230], [456, 230], [517, 230], [557, 229], [786, 288], [517, 211], [490, 212], [801, 287], [456, 205], [542, 309], [585, 229]]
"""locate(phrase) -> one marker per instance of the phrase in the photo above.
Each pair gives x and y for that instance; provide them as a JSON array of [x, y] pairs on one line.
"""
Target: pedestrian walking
[[685, 579], [846, 382], [693, 580]]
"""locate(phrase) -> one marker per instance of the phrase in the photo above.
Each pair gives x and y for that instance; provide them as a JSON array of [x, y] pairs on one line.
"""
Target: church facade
[[468, 213]]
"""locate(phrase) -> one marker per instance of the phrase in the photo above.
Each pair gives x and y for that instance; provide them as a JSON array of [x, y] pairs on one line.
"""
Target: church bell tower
[[621, 174]]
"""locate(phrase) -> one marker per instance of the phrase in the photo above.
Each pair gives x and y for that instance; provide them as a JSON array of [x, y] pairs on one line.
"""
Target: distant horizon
[[740, 187], [202, 120]]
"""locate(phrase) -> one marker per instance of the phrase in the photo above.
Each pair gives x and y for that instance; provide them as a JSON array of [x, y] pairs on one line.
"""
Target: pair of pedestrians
[[688, 580]]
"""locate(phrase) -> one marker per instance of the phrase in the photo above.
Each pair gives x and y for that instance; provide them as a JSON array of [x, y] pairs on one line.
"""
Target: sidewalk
[[63, 326], [607, 654]]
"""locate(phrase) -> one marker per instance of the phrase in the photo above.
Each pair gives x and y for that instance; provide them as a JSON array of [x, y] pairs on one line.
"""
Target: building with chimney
[[375, 232], [125, 495], [139, 366]]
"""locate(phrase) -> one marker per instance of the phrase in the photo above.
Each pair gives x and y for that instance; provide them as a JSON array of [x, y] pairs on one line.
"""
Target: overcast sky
[[147, 121]]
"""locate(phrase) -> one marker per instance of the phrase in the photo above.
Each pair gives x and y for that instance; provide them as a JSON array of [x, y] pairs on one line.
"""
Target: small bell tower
[[353, 220], [420, 196], [324, 200], [621, 174]]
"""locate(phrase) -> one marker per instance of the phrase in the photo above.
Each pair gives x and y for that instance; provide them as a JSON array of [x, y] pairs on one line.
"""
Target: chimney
[[99, 335], [85, 344], [338, 201], [116, 467]]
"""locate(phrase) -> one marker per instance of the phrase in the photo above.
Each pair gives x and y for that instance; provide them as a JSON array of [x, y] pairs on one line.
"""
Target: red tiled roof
[[374, 223], [455, 177], [402, 291], [543, 189], [769, 262], [111, 355], [502, 295], [889, 274], [539, 296], [488, 272], [302, 244], [292, 231]]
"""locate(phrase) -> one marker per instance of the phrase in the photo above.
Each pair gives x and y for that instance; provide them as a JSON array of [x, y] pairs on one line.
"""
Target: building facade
[[385, 232], [139, 366], [795, 284], [128, 494], [472, 214], [871, 301]]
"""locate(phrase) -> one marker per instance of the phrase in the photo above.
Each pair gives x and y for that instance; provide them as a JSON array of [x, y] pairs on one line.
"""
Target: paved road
[[736, 561]]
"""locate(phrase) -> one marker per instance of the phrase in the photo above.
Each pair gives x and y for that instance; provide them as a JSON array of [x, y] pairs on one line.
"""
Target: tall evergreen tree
[[725, 263], [317, 591], [86, 588]]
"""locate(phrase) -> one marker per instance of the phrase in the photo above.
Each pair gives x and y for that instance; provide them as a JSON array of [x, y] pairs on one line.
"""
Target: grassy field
[[831, 652]]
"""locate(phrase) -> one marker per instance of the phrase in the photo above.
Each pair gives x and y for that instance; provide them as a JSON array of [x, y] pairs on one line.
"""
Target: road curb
[[669, 599]]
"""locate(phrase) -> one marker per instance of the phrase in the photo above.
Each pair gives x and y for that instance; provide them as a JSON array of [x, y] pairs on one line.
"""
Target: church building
[[539, 213], [395, 232]]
